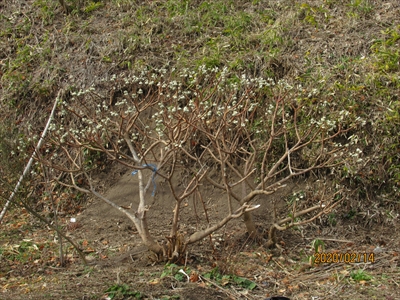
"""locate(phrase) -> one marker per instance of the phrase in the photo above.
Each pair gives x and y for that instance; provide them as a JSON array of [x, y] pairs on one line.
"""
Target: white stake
[[28, 166]]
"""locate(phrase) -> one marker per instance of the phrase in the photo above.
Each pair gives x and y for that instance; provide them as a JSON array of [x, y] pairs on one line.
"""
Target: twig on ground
[[329, 240], [219, 287], [280, 266]]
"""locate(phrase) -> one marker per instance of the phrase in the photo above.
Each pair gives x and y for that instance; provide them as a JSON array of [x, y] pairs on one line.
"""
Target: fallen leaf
[[194, 277], [285, 281], [268, 258]]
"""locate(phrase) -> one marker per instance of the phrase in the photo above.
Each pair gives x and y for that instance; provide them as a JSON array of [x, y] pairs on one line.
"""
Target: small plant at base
[[120, 291]]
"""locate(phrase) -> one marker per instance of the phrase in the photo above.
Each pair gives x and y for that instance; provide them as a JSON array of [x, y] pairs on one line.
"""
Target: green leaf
[[245, 283]]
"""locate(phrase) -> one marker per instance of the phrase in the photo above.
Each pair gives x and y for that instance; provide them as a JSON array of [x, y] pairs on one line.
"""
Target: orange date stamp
[[348, 257]]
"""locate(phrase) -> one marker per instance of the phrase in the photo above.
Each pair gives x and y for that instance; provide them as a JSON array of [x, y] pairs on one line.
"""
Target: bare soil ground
[[116, 257]]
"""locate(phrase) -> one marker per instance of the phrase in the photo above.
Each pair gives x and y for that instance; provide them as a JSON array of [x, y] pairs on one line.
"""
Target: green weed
[[386, 50], [120, 291], [332, 219], [173, 270], [92, 6], [226, 280], [25, 251], [46, 10], [360, 275], [360, 8], [295, 197], [314, 15]]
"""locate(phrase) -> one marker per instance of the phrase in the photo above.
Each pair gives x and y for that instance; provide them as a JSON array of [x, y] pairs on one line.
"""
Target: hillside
[[333, 65]]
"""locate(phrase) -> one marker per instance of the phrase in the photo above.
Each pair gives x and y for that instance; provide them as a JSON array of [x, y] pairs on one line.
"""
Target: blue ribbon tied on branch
[[154, 169]]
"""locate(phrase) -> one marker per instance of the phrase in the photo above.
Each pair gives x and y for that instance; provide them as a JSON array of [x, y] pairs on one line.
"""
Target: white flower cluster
[[205, 96], [284, 84], [324, 123]]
